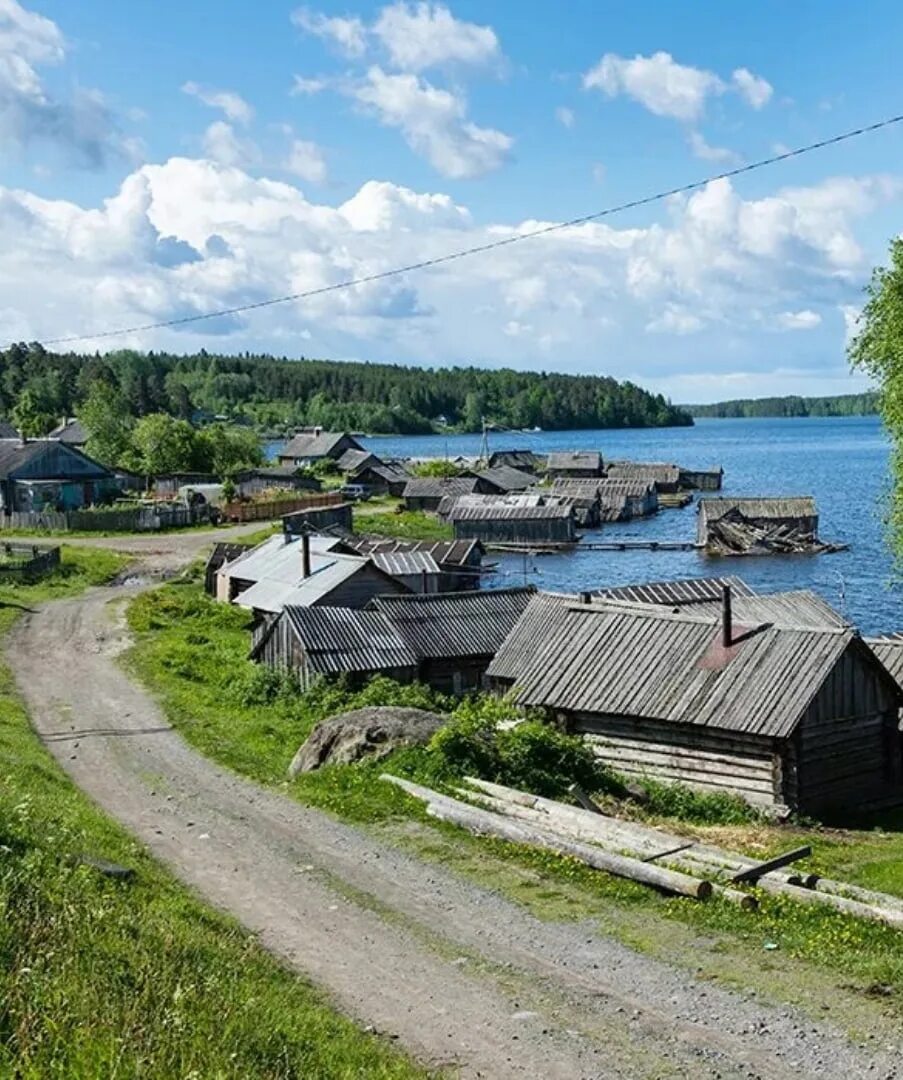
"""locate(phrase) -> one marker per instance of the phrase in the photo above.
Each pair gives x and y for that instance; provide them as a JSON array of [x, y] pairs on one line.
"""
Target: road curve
[[460, 976]]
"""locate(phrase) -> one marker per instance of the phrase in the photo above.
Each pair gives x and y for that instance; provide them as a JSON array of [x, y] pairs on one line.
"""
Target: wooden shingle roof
[[430, 487], [562, 460], [711, 509]]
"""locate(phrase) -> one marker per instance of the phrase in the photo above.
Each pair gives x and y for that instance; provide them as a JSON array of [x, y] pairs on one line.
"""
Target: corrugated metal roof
[[627, 660], [791, 507], [507, 478], [441, 626], [544, 612], [678, 593], [660, 471], [574, 459], [430, 487], [405, 563], [345, 640], [445, 552], [503, 511]]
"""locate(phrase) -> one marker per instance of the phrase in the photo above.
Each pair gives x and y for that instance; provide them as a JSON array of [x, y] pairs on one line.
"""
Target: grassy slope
[[98, 977], [379, 517], [192, 653]]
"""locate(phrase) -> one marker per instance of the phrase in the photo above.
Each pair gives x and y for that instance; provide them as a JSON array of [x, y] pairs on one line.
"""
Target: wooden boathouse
[[513, 523], [797, 514]]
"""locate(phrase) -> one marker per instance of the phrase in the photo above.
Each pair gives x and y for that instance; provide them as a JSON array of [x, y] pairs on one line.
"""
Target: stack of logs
[[735, 534], [665, 861]]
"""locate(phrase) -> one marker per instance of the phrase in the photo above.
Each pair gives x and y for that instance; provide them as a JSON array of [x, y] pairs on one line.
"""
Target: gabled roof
[[889, 650], [515, 655], [405, 563], [439, 626], [353, 460], [16, 456], [445, 552], [679, 593], [7, 431], [630, 660], [347, 640], [71, 431], [798, 608], [307, 445], [659, 471], [574, 459], [519, 459], [506, 478], [790, 507], [505, 511], [432, 487]]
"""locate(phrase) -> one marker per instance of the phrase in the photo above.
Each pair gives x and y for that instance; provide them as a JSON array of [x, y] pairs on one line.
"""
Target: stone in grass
[[371, 733], [104, 867]]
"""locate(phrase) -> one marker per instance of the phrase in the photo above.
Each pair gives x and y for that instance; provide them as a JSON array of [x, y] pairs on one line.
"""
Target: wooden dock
[[598, 545]]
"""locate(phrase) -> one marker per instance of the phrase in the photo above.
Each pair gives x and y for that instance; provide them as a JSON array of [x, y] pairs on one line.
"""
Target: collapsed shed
[[784, 713], [752, 526]]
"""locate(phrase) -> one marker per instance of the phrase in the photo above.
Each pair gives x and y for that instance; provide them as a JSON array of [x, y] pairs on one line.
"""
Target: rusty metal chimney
[[305, 555], [727, 629]]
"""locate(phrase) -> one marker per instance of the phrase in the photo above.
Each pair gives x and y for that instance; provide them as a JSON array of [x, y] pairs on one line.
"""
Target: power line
[[478, 249]]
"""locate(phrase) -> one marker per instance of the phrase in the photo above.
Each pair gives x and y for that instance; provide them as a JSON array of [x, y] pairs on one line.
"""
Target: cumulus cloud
[[434, 123], [798, 320], [756, 90], [233, 105], [346, 33], [308, 86], [82, 127], [221, 143], [305, 160], [705, 152], [665, 87], [694, 295], [424, 35], [565, 116]]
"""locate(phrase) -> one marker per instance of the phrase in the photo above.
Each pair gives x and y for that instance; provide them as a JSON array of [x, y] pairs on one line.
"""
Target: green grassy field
[[192, 654], [103, 978], [407, 525]]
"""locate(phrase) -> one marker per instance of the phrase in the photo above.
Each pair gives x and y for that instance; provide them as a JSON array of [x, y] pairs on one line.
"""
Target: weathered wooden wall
[[545, 530]]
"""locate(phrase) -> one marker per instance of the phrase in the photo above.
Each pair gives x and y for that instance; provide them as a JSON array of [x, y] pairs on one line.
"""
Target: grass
[[406, 525], [100, 977], [192, 653], [79, 569]]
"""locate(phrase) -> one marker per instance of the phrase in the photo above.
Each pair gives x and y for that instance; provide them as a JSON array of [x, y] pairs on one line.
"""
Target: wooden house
[[336, 519], [523, 460], [251, 482], [513, 523], [665, 477], [427, 492], [615, 500], [763, 700], [384, 478], [220, 555], [455, 635], [307, 448], [506, 479], [72, 432], [46, 474], [459, 561], [353, 461], [576, 463], [325, 642], [798, 514], [702, 479], [308, 572]]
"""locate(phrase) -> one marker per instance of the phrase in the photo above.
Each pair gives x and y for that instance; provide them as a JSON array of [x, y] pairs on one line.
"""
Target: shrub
[[703, 808]]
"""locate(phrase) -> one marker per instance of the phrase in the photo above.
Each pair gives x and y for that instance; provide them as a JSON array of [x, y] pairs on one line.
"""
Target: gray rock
[[372, 733]]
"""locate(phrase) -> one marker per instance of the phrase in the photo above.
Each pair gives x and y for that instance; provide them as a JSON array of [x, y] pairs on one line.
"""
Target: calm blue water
[[842, 462]]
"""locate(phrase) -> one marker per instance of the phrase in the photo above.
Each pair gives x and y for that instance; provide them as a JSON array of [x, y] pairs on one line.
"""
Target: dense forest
[[843, 405], [278, 394]]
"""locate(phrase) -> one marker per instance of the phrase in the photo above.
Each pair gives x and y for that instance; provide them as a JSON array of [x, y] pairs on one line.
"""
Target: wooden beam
[[670, 851], [753, 873]]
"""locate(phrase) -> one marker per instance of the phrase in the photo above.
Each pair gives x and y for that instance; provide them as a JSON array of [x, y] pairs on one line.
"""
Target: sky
[[160, 160]]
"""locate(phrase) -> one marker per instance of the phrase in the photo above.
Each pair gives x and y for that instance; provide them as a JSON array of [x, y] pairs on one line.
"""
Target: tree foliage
[[840, 405], [278, 394], [105, 416], [877, 349]]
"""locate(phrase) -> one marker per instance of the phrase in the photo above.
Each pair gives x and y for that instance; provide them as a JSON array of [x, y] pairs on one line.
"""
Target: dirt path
[[461, 976]]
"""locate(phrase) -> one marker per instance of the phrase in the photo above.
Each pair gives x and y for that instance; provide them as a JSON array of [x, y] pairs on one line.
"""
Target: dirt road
[[460, 976]]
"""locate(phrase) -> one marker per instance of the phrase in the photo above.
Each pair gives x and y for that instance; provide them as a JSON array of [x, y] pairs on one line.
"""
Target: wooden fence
[[133, 519], [269, 510], [25, 562]]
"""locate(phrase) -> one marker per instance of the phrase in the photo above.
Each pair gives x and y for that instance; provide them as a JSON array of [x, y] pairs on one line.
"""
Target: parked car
[[356, 492]]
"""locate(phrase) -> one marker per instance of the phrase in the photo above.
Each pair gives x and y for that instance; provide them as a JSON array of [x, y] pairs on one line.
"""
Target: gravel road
[[462, 977]]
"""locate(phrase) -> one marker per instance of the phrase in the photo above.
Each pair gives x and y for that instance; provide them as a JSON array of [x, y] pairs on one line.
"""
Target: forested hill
[[843, 405], [278, 394]]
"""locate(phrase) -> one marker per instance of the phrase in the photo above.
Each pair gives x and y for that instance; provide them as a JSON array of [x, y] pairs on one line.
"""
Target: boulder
[[373, 733]]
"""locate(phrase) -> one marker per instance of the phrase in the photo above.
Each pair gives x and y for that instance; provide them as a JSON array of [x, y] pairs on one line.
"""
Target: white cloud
[[712, 278], [233, 105], [675, 320], [423, 35], [667, 88], [756, 90], [599, 173], [83, 127], [565, 116], [305, 160], [347, 33], [657, 82], [222, 145], [798, 320], [308, 86], [434, 123], [702, 150]]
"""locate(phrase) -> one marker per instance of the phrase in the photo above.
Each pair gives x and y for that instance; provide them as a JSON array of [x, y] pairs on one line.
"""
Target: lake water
[[842, 462]]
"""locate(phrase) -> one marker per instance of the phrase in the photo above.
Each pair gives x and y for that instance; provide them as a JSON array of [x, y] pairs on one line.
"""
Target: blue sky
[[163, 159]]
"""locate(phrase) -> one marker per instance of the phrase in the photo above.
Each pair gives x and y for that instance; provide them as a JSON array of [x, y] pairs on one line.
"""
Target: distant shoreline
[[788, 407]]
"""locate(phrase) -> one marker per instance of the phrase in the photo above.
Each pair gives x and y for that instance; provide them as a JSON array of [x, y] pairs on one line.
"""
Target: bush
[[703, 808]]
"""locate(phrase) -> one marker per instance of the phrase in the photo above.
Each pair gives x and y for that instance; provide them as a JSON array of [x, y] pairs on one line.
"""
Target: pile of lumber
[[664, 861], [735, 534]]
